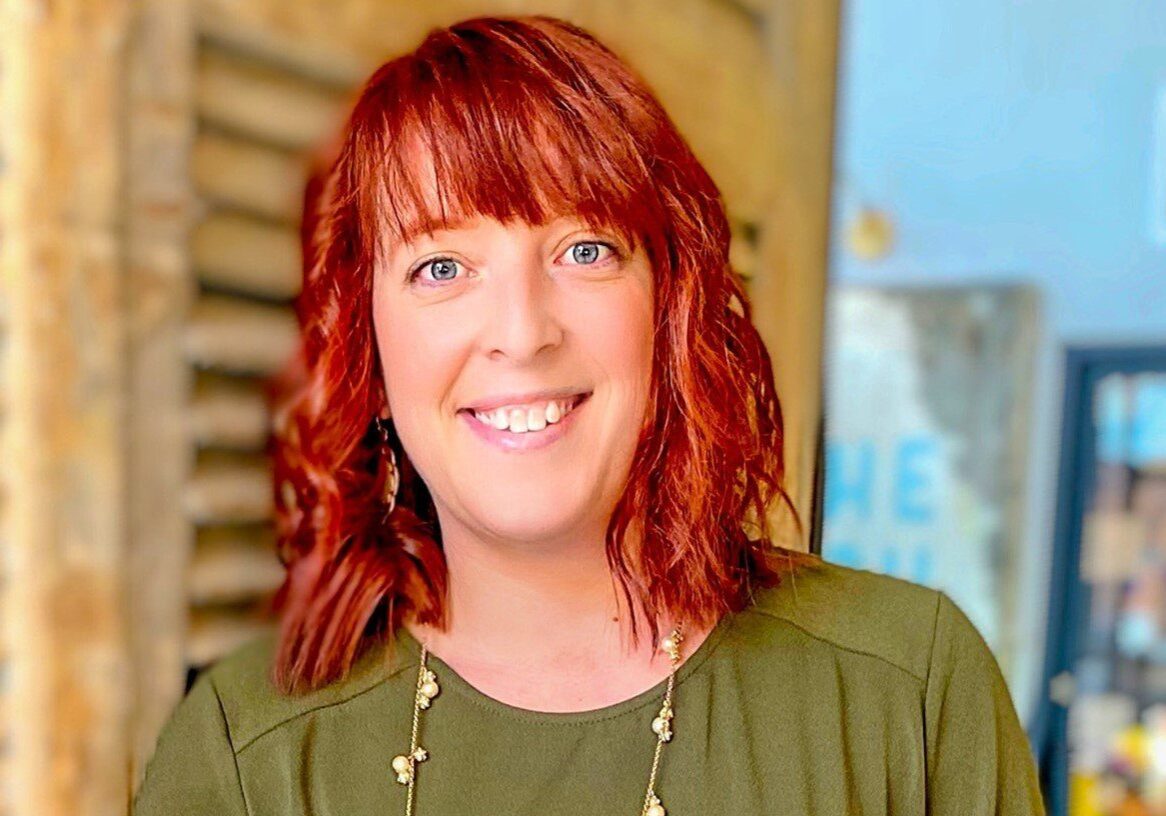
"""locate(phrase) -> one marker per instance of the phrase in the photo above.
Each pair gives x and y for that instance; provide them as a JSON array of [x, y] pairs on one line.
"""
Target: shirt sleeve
[[979, 759], [192, 771]]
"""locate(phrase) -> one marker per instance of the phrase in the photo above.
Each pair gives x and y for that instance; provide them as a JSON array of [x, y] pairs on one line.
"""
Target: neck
[[537, 607]]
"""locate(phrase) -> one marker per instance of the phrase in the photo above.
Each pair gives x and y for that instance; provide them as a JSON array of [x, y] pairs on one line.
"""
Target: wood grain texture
[[790, 292], [249, 256], [228, 413], [244, 98], [233, 565], [63, 454], [159, 212], [239, 336], [244, 176]]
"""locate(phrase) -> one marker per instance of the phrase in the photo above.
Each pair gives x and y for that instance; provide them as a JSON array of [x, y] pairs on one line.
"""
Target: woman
[[535, 424]]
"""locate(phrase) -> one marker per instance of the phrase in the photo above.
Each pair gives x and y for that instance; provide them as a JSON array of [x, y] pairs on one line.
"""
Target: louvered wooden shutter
[[257, 117]]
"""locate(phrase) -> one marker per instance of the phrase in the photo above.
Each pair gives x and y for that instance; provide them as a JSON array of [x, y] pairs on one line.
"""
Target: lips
[[510, 442]]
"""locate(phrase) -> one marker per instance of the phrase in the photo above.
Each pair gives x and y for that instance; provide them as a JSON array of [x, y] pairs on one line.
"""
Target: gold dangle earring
[[393, 478]]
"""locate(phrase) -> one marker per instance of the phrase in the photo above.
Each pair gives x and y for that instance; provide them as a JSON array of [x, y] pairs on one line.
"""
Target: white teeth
[[517, 421], [526, 419]]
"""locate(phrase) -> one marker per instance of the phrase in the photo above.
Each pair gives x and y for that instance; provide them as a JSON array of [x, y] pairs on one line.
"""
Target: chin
[[531, 519], [531, 526]]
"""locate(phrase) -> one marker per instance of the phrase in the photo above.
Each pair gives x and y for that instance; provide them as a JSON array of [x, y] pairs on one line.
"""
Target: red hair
[[524, 118]]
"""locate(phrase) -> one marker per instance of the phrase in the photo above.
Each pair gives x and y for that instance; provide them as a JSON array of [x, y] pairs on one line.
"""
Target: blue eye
[[585, 253], [442, 269]]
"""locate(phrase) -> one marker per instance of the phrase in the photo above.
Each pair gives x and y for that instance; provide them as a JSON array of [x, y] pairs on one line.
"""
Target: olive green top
[[841, 691]]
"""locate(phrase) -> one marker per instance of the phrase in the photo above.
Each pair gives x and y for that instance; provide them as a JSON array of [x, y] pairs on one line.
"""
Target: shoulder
[[253, 705], [853, 610], [833, 617]]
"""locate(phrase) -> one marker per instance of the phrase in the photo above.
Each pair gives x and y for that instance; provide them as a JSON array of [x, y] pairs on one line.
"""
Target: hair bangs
[[484, 136]]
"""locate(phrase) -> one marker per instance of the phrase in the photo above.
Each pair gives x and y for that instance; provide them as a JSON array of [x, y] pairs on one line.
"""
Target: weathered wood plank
[[235, 335], [229, 489], [214, 632], [62, 457], [790, 292], [249, 177], [251, 100], [228, 412], [159, 212], [233, 565], [249, 256]]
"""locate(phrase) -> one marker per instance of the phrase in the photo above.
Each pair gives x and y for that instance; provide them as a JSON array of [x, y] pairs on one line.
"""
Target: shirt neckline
[[449, 680]]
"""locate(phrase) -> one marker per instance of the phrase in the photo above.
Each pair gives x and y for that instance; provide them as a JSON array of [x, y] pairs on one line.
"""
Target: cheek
[[407, 361], [629, 344], [423, 354], [415, 385], [619, 335], [412, 370]]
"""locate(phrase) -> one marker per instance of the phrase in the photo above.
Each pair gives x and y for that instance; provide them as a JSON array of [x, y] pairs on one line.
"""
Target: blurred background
[[950, 217]]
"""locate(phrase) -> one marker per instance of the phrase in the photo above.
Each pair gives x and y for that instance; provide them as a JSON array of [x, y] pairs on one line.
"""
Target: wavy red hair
[[526, 118]]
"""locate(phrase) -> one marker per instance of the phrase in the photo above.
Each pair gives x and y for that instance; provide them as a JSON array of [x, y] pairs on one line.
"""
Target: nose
[[524, 320]]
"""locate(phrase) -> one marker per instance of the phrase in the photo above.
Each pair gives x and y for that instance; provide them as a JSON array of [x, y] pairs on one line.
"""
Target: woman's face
[[489, 334]]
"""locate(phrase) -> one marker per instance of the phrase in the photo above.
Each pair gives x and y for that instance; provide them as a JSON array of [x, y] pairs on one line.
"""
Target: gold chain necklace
[[405, 765]]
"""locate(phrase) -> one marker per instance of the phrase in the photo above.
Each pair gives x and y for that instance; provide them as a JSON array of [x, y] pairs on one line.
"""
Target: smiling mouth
[[529, 418]]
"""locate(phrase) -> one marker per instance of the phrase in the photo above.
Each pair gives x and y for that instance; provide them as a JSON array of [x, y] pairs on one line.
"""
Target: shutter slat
[[230, 566], [249, 177], [263, 104], [235, 490], [248, 256], [229, 413], [234, 335], [743, 256], [214, 632]]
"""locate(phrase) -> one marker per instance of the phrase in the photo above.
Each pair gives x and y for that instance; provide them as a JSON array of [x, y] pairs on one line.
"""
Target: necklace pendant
[[661, 728], [671, 644], [662, 725], [405, 765], [654, 807], [404, 769], [427, 688]]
